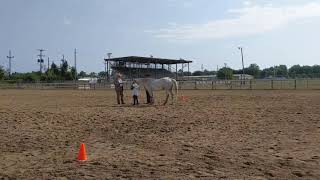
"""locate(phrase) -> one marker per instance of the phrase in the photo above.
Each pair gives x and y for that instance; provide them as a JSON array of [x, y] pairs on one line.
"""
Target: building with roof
[[139, 67], [242, 77]]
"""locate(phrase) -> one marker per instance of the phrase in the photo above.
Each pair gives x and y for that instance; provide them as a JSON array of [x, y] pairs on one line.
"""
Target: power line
[[10, 57]]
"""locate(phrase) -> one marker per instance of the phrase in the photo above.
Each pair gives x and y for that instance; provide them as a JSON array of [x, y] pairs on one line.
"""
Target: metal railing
[[183, 85]]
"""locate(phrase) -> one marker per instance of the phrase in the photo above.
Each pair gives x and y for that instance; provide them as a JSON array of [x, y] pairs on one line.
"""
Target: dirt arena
[[211, 135]]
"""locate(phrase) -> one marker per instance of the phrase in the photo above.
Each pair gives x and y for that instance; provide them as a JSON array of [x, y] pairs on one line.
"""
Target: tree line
[[280, 71], [64, 72]]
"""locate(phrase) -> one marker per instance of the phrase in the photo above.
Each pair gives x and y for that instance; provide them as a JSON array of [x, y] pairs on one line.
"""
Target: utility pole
[[202, 67], [225, 71], [105, 70], [48, 64], [10, 57], [108, 73], [75, 64], [63, 59], [40, 60], [217, 71], [243, 77]]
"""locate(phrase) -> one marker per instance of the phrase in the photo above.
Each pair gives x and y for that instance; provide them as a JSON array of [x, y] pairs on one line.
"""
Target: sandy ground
[[213, 135]]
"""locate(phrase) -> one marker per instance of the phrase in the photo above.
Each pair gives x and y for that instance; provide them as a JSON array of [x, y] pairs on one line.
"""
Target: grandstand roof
[[153, 60]]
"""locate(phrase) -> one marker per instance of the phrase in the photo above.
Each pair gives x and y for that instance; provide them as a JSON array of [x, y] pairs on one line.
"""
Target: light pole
[[75, 65], [109, 56], [225, 71], [10, 57], [243, 78], [40, 60]]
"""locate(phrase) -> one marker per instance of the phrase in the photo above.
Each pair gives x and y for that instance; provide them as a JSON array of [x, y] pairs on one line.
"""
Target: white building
[[240, 77]]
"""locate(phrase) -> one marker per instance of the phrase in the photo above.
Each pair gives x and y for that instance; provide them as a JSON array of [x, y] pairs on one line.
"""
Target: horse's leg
[[151, 97], [171, 96], [167, 93]]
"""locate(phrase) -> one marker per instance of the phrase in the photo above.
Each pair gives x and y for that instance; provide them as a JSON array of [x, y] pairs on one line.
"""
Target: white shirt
[[136, 89], [120, 82]]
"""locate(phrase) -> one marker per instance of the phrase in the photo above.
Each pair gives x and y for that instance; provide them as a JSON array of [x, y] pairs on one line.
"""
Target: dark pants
[[148, 97], [135, 100], [119, 92]]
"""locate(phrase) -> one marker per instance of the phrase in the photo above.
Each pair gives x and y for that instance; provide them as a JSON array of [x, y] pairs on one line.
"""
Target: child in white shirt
[[135, 92]]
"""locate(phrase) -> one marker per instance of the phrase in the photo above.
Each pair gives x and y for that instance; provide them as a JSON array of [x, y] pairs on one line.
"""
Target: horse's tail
[[175, 84]]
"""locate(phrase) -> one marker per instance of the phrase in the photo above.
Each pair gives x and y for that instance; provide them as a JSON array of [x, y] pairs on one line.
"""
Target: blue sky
[[271, 32]]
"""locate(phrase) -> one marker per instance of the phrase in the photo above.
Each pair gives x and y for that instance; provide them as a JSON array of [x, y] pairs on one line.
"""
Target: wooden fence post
[[195, 84], [211, 85], [295, 84], [271, 84], [251, 84]]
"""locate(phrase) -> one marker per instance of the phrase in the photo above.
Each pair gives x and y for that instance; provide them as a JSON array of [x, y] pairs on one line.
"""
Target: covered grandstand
[[138, 67]]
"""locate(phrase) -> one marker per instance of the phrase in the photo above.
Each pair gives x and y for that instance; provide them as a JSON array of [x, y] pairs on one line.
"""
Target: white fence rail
[[183, 85]]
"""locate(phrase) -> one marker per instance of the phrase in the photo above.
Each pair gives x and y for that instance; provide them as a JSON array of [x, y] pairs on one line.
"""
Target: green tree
[[55, 70], [207, 72], [93, 74], [253, 70], [2, 73], [64, 69], [295, 70], [281, 71], [82, 74], [316, 71], [52, 76], [197, 73], [307, 72], [31, 77], [225, 73], [73, 72], [102, 74], [69, 76]]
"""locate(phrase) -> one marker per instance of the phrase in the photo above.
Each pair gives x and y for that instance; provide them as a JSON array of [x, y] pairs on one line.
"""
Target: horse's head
[[138, 81]]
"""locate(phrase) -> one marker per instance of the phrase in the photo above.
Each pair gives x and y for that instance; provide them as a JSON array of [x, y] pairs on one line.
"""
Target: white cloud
[[247, 3], [249, 20]]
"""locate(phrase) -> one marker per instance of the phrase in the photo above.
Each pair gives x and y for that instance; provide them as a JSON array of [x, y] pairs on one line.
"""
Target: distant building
[[87, 83], [199, 78], [240, 77], [139, 67], [214, 77]]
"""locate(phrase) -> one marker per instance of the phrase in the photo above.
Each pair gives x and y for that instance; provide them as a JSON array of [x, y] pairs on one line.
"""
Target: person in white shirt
[[135, 92], [118, 84]]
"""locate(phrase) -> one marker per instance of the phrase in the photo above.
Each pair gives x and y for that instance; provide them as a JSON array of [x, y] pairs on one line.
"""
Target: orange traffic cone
[[82, 156]]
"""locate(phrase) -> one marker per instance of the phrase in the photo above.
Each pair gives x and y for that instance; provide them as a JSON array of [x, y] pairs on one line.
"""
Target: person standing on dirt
[[118, 85], [135, 92]]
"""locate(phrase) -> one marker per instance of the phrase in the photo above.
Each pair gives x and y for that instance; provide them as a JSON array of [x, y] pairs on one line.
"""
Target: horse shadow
[[140, 105]]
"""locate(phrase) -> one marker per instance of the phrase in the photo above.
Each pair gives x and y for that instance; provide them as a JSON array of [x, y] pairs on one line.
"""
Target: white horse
[[165, 83]]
